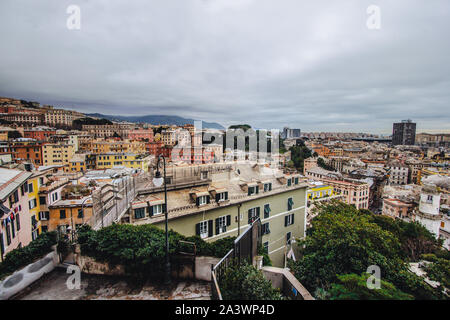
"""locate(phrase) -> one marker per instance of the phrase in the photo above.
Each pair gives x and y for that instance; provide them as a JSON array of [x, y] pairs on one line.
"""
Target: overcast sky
[[313, 65]]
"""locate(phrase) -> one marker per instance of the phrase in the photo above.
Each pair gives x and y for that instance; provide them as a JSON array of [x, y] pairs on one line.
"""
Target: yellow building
[[106, 146], [128, 160], [425, 172], [57, 154], [320, 191], [34, 182]]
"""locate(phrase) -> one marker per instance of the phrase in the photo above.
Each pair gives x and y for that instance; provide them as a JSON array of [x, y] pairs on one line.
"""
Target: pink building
[[15, 219], [141, 134]]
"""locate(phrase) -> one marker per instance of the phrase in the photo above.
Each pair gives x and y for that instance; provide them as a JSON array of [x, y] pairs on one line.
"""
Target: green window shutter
[[286, 221], [289, 182], [217, 197], [150, 211], [249, 216], [266, 211], [164, 207], [228, 220], [197, 201], [217, 226], [250, 190], [208, 199], [257, 189], [18, 222], [197, 229], [292, 219], [226, 195], [210, 228]]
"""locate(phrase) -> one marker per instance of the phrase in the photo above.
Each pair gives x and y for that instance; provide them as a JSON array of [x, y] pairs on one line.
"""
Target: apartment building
[[15, 220], [39, 133], [70, 212], [24, 150], [128, 160], [50, 191], [141, 134], [57, 154], [81, 162], [218, 203], [28, 118], [98, 146], [398, 173], [60, 117], [108, 130], [399, 209]]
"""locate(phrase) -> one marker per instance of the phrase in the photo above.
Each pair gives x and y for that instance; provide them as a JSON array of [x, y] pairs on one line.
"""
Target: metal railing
[[244, 249]]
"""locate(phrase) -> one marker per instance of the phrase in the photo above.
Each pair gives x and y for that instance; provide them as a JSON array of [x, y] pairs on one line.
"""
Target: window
[[296, 180], [42, 200], [62, 214], [289, 182], [265, 228], [203, 229], [266, 211], [430, 198], [157, 209], [32, 203], [222, 196], [222, 223], [266, 247], [253, 214], [30, 188], [290, 204], [139, 213], [267, 187], [44, 215], [253, 190], [289, 220], [202, 200], [288, 237], [80, 213]]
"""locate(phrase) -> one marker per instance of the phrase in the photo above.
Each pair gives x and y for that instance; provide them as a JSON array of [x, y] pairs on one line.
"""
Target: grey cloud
[[268, 63]]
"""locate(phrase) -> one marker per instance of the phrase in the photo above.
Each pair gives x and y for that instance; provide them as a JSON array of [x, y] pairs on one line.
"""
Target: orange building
[[25, 150]]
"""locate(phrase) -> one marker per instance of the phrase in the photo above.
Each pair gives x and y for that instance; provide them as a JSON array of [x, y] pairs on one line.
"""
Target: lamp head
[[158, 180]]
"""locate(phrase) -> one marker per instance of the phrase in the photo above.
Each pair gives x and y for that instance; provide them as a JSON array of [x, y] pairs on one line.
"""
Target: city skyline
[[311, 66]]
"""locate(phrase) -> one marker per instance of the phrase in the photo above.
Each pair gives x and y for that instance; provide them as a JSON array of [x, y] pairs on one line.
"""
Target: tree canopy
[[344, 240]]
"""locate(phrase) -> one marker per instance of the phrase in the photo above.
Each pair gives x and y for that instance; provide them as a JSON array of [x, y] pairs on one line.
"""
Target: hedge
[[142, 248], [20, 257]]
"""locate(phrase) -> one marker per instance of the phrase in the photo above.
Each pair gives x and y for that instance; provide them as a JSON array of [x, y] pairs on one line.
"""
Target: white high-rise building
[[428, 214]]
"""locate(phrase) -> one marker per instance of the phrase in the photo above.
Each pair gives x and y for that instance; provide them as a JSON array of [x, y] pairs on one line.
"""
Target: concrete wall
[[284, 280], [182, 268], [22, 278]]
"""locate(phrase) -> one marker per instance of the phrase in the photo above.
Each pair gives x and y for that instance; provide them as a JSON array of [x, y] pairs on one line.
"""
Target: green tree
[[354, 287], [344, 240]]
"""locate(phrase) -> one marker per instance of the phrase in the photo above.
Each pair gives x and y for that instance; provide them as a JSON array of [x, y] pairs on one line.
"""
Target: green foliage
[[415, 239], [299, 154], [321, 163], [20, 257], [78, 123], [245, 282], [439, 270], [344, 240], [14, 134], [142, 248], [265, 255], [354, 287]]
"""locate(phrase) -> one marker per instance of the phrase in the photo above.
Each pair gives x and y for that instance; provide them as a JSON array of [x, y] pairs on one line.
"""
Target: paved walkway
[[93, 287]]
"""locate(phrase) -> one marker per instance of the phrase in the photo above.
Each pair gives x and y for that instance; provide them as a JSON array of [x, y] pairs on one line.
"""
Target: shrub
[[19, 258], [245, 282], [142, 248]]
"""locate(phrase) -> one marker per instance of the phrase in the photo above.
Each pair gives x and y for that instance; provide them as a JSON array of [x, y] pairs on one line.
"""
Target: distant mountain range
[[155, 120]]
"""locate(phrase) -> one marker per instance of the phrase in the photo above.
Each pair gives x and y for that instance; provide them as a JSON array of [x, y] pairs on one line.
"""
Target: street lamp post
[[158, 181]]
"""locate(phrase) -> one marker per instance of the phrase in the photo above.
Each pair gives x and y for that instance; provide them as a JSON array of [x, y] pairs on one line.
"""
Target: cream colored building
[[57, 154]]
